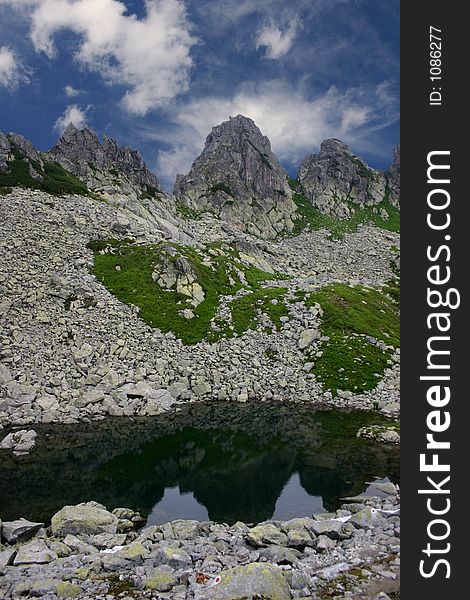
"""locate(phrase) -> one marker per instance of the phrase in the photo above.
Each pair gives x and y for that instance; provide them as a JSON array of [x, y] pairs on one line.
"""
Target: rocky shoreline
[[88, 552]]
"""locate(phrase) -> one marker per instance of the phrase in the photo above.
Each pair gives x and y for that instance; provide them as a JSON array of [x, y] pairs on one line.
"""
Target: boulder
[[328, 527], [88, 518], [34, 552], [185, 530], [172, 556], [19, 530], [307, 337], [161, 579], [21, 442], [133, 554], [262, 535], [367, 518], [38, 588], [280, 555], [256, 580], [299, 538]]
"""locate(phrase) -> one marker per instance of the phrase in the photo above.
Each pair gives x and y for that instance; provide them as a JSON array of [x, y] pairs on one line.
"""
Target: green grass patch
[[350, 363], [187, 213], [133, 284], [58, 181], [4, 191], [245, 308], [150, 193], [351, 315], [310, 217], [363, 169], [55, 179]]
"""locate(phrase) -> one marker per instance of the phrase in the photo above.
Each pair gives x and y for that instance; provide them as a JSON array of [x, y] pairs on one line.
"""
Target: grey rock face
[[81, 152], [238, 178], [24, 146], [393, 177], [12, 142], [336, 176], [4, 152]]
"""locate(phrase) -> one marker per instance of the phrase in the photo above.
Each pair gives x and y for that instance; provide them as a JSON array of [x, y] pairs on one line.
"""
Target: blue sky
[[158, 74]]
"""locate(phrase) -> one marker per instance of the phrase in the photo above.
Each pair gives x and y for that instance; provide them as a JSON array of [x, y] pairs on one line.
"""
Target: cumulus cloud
[[72, 114], [12, 72], [295, 123], [149, 56], [70, 91], [277, 42]]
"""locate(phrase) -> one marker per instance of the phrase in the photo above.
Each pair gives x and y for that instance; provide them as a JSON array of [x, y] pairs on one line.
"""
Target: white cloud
[[72, 114], [277, 42], [70, 91], [295, 123], [149, 56], [12, 72]]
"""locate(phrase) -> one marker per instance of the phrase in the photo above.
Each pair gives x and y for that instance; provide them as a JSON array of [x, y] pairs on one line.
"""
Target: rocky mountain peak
[[335, 177], [239, 178], [103, 164], [14, 142], [333, 145], [78, 145]]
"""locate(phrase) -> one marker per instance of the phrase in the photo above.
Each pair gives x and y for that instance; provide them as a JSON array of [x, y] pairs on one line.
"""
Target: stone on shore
[[19, 530], [263, 535], [257, 580], [34, 552], [88, 518]]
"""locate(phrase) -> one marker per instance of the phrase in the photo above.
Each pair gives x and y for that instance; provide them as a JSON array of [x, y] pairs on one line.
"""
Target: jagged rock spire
[[239, 178]]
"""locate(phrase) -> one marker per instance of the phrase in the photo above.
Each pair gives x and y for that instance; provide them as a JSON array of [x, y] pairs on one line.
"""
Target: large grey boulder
[[336, 176], [19, 530], [238, 178], [257, 580], [89, 518], [263, 535], [161, 579], [34, 552], [173, 556], [39, 588]]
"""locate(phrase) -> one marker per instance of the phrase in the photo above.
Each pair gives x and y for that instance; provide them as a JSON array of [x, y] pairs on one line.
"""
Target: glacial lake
[[220, 461]]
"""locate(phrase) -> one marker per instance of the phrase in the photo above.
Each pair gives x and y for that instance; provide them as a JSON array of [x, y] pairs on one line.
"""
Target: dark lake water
[[224, 462]]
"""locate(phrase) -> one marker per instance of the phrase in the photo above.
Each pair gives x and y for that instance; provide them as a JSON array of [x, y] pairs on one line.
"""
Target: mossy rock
[[262, 535], [161, 581], [257, 580]]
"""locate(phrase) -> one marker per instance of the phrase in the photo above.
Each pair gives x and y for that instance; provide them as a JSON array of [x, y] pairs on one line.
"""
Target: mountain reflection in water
[[221, 461]]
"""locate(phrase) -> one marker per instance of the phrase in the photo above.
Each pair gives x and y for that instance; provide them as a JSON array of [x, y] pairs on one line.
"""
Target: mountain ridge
[[237, 178]]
